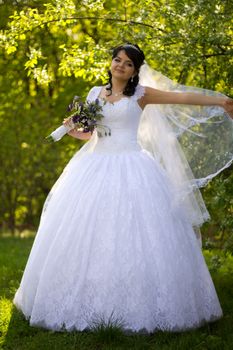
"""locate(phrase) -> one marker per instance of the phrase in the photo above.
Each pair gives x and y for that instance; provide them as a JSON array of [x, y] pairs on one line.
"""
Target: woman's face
[[122, 66]]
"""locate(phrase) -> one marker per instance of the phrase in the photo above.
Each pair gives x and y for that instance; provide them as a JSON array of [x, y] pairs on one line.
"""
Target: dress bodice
[[122, 117]]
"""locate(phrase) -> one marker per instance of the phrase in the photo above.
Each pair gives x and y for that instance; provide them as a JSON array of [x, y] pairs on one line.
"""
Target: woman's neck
[[118, 85]]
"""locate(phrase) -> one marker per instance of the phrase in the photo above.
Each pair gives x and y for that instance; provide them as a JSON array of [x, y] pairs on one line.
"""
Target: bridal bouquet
[[82, 116]]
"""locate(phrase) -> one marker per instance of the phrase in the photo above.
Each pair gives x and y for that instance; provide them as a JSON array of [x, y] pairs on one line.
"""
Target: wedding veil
[[192, 143]]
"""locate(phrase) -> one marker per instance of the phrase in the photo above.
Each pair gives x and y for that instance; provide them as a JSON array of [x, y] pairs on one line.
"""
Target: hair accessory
[[132, 46]]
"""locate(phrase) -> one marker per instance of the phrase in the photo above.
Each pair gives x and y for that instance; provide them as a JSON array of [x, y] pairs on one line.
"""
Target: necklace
[[115, 94]]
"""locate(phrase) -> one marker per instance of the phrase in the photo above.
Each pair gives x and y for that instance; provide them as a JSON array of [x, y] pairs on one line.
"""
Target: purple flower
[[91, 108], [75, 118], [70, 107], [87, 114], [81, 105], [72, 104], [84, 115]]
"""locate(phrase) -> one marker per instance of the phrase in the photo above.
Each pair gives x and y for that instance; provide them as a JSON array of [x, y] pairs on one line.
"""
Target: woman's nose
[[121, 64]]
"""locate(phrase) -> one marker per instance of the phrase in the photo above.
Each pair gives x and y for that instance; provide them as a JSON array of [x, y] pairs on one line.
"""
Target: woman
[[116, 243]]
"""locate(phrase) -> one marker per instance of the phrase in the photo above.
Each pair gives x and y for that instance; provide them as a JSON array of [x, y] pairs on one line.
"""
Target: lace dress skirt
[[113, 247]]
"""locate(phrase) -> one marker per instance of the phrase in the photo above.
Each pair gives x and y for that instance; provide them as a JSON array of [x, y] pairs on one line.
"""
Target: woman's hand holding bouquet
[[83, 117]]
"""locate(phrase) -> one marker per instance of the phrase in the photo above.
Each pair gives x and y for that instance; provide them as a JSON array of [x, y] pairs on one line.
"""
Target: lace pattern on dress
[[94, 92], [139, 92]]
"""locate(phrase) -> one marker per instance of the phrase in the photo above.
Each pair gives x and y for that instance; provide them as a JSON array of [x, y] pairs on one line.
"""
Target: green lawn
[[16, 334]]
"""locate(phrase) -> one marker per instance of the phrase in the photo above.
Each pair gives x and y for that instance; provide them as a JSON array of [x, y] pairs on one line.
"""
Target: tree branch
[[130, 22], [229, 52]]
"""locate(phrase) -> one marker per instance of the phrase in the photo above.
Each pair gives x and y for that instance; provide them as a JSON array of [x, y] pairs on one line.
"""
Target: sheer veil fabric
[[193, 143]]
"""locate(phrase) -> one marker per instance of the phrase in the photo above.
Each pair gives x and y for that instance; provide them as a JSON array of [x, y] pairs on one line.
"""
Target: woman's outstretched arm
[[154, 96]]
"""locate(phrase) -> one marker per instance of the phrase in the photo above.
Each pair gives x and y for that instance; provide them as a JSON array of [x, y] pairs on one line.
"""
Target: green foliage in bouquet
[[86, 116]]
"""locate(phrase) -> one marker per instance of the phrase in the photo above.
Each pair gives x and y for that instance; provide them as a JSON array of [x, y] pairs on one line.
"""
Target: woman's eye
[[118, 60]]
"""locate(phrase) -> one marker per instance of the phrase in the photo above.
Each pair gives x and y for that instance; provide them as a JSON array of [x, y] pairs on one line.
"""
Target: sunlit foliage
[[53, 50]]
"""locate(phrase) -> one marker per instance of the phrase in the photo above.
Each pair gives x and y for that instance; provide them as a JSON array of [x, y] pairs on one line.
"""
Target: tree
[[56, 49]]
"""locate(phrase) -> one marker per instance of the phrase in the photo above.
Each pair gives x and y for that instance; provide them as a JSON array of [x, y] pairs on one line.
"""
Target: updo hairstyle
[[137, 56]]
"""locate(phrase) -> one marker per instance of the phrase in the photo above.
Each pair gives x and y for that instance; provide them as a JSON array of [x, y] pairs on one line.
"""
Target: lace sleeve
[[92, 94], [139, 92]]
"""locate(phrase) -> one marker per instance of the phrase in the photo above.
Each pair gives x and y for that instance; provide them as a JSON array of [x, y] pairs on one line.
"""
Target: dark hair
[[137, 56]]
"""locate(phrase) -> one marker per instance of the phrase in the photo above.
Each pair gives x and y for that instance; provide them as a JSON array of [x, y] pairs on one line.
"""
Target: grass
[[16, 334]]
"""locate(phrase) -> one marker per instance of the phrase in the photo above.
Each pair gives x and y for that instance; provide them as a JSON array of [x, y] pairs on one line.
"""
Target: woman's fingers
[[68, 122]]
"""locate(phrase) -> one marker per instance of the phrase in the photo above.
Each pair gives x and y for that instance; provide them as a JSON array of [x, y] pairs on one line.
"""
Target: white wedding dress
[[112, 246]]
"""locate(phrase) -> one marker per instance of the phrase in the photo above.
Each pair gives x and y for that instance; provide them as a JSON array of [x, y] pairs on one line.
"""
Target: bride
[[118, 239]]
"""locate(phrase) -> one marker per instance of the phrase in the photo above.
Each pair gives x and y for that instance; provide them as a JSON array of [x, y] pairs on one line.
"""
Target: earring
[[132, 79]]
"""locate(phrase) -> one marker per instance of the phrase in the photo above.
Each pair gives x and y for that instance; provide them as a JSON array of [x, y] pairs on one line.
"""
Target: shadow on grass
[[21, 336], [17, 334]]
